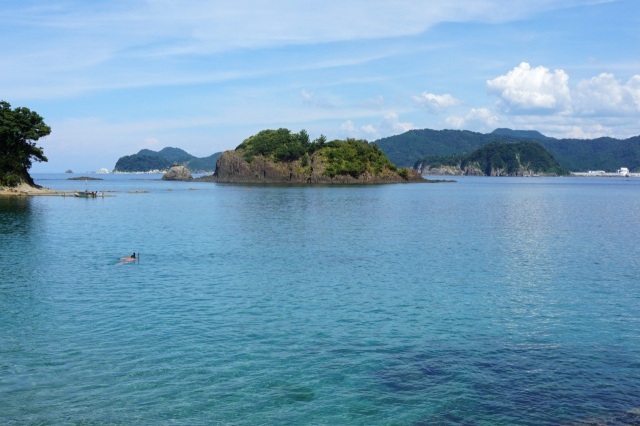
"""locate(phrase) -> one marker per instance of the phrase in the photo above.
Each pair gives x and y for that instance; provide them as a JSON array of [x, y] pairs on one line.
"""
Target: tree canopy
[[20, 128], [341, 157], [280, 145]]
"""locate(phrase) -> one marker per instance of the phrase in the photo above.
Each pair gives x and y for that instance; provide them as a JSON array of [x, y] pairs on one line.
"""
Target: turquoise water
[[487, 301]]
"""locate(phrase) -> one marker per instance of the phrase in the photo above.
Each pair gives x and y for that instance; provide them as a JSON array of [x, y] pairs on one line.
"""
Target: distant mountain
[[405, 149], [574, 154], [147, 160], [496, 159], [523, 134]]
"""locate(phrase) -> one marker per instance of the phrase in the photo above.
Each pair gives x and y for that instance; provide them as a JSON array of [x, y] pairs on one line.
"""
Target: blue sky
[[113, 77]]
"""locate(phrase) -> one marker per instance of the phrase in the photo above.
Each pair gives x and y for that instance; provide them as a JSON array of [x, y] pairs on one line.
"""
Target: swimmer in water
[[132, 258]]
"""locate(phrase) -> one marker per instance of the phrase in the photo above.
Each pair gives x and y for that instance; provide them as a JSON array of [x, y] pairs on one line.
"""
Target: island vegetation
[[273, 156], [573, 154], [147, 160], [20, 128], [496, 159]]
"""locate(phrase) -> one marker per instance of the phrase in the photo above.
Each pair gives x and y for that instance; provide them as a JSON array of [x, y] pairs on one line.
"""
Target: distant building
[[624, 171]]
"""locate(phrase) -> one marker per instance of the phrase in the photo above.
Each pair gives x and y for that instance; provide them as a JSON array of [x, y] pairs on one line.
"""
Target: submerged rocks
[[177, 172]]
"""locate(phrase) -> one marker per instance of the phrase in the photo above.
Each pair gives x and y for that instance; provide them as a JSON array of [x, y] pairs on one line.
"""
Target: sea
[[485, 301]]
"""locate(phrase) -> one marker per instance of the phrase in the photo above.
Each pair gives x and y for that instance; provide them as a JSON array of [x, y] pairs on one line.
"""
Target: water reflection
[[15, 213], [19, 236]]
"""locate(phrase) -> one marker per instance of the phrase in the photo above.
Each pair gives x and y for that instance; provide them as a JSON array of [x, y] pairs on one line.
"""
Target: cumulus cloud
[[389, 125], [436, 103], [525, 88], [542, 99], [604, 94], [481, 119], [348, 127]]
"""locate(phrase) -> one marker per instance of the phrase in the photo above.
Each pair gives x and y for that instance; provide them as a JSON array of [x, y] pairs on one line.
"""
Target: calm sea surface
[[492, 301]]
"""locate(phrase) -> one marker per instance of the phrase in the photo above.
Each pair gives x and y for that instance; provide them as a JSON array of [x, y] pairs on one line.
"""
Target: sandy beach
[[26, 190]]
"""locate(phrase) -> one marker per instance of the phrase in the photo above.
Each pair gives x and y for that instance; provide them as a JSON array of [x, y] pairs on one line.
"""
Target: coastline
[[24, 190]]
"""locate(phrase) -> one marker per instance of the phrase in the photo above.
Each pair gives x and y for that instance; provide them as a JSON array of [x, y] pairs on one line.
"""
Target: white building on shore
[[621, 172]]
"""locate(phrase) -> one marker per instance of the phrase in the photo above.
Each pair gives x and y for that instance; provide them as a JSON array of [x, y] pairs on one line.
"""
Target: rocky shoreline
[[24, 190], [474, 171], [231, 167]]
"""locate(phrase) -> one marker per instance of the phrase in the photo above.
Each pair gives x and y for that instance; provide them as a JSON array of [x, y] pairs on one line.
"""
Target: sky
[[113, 77]]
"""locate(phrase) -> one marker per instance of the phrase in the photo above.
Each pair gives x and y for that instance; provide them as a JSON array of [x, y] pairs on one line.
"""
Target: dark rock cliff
[[232, 167]]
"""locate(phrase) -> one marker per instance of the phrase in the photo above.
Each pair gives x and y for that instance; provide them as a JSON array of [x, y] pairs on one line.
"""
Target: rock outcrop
[[232, 167], [177, 172], [448, 171]]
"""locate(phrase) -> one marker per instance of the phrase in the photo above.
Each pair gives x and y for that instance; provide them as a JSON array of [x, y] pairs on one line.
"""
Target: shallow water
[[486, 301]]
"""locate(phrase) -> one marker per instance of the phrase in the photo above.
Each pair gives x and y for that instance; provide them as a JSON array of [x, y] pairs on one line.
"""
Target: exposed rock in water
[[427, 170], [177, 172], [84, 178], [232, 167]]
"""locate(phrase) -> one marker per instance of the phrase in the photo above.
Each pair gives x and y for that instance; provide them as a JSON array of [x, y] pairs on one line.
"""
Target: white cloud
[[479, 119], [455, 122], [525, 88], [436, 103], [604, 94], [98, 45], [389, 125], [540, 99], [568, 126], [250, 23], [348, 127]]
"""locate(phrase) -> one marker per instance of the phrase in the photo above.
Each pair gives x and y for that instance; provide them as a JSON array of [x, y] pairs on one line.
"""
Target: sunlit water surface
[[485, 301]]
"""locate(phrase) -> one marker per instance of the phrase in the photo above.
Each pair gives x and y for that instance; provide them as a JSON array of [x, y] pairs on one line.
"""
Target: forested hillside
[[607, 154], [147, 160], [497, 159]]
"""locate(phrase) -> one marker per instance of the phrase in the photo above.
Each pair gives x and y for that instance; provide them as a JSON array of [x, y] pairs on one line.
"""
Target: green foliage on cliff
[[147, 160], [278, 145], [574, 154], [341, 157], [504, 158], [354, 157], [20, 128]]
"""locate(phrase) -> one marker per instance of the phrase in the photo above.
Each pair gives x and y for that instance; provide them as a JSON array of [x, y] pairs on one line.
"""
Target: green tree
[[20, 128]]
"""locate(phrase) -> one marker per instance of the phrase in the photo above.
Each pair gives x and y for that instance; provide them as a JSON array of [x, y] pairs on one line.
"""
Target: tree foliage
[[341, 157], [20, 128], [354, 157], [279, 145]]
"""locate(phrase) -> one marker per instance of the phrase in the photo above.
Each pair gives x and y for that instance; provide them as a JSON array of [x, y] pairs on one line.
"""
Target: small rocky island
[[177, 172], [280, 156]]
